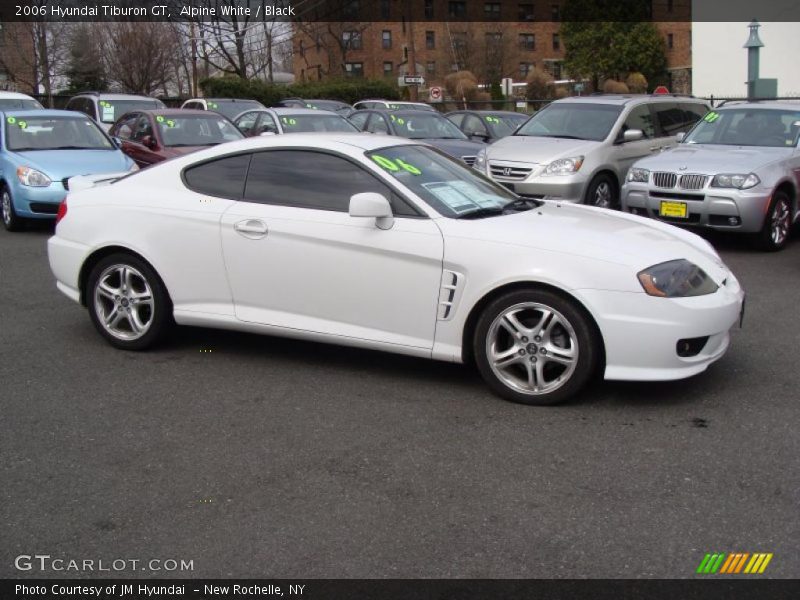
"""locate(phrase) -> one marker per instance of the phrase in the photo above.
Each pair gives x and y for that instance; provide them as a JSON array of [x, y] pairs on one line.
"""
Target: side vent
[[448, 293]]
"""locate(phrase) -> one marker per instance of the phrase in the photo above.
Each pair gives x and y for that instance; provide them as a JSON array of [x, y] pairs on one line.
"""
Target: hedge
[[270, 94]]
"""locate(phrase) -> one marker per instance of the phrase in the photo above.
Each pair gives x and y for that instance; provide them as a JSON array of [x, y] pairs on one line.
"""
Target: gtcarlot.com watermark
[[47, 563]]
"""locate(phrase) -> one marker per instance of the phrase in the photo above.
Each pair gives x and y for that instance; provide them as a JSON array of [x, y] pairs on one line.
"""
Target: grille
[[44, 208], [665, 180], [677, 196], [693, 182], [507, 172], [447, 294], [470, 160]]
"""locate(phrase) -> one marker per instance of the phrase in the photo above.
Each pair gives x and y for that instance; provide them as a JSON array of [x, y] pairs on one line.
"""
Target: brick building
[[492, 38], [16, 62]]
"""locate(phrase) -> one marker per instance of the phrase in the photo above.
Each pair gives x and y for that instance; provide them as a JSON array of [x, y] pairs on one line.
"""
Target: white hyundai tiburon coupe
[[391, 245]]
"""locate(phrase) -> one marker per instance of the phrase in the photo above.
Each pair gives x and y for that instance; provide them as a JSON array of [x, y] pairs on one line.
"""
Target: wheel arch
[[477, 309], [603, 170], [101, 253], [787, 185]]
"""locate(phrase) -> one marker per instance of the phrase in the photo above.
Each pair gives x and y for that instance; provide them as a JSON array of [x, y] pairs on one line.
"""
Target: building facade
[[493, 39]]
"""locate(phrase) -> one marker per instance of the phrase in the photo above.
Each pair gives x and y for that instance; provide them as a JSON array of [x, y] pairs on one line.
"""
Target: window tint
[[473, 125], [456, 119], [359, 119], [304, 179], [378, 124], [90, 109], [223, 177], [640, 118], [675, 117]]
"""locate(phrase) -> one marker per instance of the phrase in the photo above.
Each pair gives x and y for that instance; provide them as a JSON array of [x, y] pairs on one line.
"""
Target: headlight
[[564, 166], [480, 160], [32, 177], [676, 279], [741, 182], [639, 175]]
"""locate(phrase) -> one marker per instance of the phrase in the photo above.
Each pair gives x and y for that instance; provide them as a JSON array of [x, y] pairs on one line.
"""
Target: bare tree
[[38, 56]]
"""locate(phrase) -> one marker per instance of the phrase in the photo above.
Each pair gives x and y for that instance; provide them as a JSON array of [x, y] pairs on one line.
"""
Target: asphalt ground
[[262, 457]]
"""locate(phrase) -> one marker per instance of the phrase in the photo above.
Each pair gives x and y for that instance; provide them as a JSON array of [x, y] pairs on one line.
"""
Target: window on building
[[428, 9], [555, 13], [556, 42], [386, 10], [525, 12], [430, 67], [524, 69], [386, 39], [670, 41], [430, 40], [351, 39], [491, 10], [388, 67], [527, 41], [354, 69], [457, 10], [460, 41], [554, 67]]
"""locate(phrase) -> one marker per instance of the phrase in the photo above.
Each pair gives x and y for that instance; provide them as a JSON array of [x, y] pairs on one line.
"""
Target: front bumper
[[38, 202], [641, 332], [715, 208]]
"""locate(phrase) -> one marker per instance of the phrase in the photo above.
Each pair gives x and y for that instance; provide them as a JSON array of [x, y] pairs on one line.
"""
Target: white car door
[[296, 259]]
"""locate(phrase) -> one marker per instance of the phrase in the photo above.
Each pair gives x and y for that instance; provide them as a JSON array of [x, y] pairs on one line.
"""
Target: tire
[[543, 354], [130, 317], [602, 192], [777, 228], [11, 221]]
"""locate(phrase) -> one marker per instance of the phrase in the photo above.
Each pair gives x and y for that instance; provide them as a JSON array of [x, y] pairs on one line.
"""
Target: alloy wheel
[[123, 302], [602, 195], [780, 223], [6, 207]]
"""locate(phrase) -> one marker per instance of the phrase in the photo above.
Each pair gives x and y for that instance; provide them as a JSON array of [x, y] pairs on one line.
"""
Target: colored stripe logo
[[734, 563]]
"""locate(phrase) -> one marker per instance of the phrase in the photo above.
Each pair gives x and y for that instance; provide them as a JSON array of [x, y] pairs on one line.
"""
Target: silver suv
[[580, 149], [737, 170], [106, 108]]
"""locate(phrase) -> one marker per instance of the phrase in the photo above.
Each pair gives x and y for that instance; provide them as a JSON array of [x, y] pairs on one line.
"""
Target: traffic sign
[[662, 89], [413, 79], [435, 94]]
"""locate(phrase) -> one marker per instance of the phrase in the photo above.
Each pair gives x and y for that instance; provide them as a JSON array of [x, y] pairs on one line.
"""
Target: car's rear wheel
[[774, 234], [535, 347], [11, 221], [602, 192], [127, 302]]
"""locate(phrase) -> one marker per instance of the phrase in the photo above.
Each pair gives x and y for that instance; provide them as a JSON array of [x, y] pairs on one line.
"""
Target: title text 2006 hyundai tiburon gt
[[389, 244]]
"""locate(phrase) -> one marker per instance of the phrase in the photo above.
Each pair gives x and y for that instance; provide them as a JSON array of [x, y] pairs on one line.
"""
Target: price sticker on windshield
[[395, 165]]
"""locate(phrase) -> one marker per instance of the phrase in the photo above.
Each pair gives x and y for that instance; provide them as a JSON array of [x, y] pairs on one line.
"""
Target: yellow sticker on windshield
[[22, 124], [160, 119], [11, 120]]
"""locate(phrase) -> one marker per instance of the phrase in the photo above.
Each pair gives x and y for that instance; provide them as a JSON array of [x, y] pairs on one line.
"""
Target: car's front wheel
[[774, 234], [11, 221], [127, 302], [602, 192], [535, 347]]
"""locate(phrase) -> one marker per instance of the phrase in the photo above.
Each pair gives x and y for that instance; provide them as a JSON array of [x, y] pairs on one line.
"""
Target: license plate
[[673, 209]]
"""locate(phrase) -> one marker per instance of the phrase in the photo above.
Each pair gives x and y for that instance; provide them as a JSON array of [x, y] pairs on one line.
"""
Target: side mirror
[[680, 136], [632, 135], [374, 205]]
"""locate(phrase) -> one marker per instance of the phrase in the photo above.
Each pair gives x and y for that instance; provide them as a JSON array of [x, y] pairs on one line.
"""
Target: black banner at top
[[453, 11]]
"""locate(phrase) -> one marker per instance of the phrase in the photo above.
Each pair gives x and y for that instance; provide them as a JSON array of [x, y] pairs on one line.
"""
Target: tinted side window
[[456, 119], [126, 126], [304, 179], [473, 125], [266, 123], [640, 118], [378, 124], [90, 109], [223, 177], [359, 119], [247, 122], [142, 129]]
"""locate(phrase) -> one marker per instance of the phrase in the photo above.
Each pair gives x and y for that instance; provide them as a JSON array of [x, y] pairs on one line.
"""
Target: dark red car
[[150, 136]]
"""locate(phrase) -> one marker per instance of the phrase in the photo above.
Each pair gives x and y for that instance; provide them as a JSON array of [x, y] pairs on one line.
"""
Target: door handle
[[251, 228]]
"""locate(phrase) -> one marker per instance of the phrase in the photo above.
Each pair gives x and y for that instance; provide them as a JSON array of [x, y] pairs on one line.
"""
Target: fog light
[[690, 346], [733, 220]]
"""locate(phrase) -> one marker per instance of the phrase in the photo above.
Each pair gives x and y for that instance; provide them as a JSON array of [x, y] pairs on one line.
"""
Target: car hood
[[456, 148], [592, 233], [712, 159], [58, 164], [538, 150]]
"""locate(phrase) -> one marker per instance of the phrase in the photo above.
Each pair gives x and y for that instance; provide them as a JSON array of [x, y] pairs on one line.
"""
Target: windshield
[[450, 187], [111, 110], [18, 104], [319, 122], [747, 127], [196, 130], [55, 133], [573, 121], [425, 125], [231, 108], [504, 125]]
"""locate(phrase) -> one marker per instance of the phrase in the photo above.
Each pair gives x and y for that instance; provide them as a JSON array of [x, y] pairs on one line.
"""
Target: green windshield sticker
[[160, 119], [395, 165], [170, 123], [711, 117], [11, 120], [400, 121], [289, 121], [213, 105], [22, 124], [492, 120]]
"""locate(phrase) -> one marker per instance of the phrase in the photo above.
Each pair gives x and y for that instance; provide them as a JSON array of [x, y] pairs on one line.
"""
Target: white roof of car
[[286, 110], [776, 104], [16, 95], [105, 96]]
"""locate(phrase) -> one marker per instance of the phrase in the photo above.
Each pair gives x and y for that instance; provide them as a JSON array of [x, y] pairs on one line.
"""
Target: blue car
[[39, 151]]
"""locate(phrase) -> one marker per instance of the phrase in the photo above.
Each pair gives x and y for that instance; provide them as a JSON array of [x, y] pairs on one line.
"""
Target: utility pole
[[193, 36]]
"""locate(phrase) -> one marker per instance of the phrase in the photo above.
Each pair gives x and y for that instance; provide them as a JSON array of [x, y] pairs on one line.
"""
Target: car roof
[[43, 112], [362, 141], [623, 99], [15, 95], [176, 112], [111, 96], [288, 110], [223, 100], [771, 104], [402, 112], [505, 113]]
